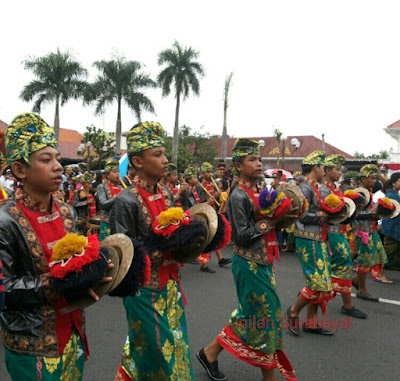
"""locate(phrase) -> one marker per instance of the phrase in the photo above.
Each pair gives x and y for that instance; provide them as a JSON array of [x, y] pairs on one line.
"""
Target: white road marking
[[381, 300]]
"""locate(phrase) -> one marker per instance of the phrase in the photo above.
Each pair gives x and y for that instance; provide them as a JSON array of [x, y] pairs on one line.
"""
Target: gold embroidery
[[51, 363]]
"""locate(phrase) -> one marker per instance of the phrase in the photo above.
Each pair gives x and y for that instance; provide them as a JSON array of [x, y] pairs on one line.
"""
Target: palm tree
[[182, 70], [58, 78], [277, 135], [228, 80], [121, 80]]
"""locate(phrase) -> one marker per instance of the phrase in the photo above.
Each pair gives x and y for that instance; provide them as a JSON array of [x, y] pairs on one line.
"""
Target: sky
[[305, 67]]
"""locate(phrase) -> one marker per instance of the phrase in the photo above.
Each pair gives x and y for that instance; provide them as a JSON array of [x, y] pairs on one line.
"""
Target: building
[[290, 155]]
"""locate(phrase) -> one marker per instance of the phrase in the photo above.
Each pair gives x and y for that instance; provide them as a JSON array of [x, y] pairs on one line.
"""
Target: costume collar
[[29, 202], [248, 185], [311, 181], [141, 183]]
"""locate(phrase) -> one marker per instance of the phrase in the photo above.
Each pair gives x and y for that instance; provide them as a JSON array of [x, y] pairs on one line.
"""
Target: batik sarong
[[157, 347], [341, 263], [254, 331], [371, 253], [68, 367]]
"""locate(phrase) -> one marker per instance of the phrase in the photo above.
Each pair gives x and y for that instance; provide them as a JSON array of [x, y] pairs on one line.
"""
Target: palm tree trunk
[[224, 136], [57, 119], [118, 131], [175, 142]]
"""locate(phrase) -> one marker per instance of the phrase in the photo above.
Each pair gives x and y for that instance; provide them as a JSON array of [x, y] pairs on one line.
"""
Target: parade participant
[[157, 346], [312, 251], [209, 192], [341, 261], [84, 203], [1, 287], [106, 194], [252, 269], [370, 251], [172, 182], [129, 177], [43, 339], [391, 228], [191, 196]]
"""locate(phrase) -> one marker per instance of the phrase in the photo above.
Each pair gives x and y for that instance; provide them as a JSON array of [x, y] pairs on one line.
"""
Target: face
[[369, 181], [333, 173], [153, 164], [319, 171], [396, 185], [173, 178], [353, 183], [207, 176], [113, 176], [44, 173], [193, 181], [87, 186], [251, 168]]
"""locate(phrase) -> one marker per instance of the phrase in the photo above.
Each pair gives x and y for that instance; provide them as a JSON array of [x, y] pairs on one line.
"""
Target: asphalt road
[[367, 350]]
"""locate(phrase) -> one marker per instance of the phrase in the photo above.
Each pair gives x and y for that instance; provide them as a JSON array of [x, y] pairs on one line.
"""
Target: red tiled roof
[[308, 144], [395, 125]]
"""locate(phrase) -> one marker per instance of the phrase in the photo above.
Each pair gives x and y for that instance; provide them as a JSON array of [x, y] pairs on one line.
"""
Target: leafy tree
[[277, 135], [228, 81], [102, 145], [181, 71], [119, 81], [359, 155], [194, 147], [59, 78]]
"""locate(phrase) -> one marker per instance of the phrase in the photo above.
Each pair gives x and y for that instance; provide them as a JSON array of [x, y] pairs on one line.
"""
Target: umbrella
[[286, 174]]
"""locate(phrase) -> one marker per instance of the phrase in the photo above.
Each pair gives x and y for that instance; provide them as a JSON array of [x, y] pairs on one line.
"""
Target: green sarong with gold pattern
[[67, 367], [157, 347], [104, 230], [254, 331]]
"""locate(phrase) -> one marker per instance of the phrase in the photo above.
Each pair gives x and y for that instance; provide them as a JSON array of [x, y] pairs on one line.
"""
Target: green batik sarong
[[104, 230], [158, 347], [392, 248], [372, 254], [257, 320], [341, 263], [315, 262], [67, 367]]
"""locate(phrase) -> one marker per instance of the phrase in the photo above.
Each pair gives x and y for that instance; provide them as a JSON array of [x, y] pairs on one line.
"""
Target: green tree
[[59, 78], [277, 135], [359, 155], [182, 71], [121, 80], [228, 81], [194, 147], [98, 145]]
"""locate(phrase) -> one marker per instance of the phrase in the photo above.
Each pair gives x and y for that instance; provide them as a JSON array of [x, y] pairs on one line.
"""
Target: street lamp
[[85, 150], [103, 149]]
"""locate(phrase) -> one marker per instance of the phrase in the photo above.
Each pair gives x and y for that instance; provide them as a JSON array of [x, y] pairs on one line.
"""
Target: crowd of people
[[42, 203]]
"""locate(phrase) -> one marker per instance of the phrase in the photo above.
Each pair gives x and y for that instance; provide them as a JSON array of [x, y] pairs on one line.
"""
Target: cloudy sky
[[305, 67]]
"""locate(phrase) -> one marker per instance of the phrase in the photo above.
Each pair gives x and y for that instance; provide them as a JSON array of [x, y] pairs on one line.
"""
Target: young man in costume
[[172, 182], [252, 269], [84, 203], [43, 339], [371, 253], [341, 261], [209, 192], [312, 250], [106, 194], [157, 346], [191, 195]]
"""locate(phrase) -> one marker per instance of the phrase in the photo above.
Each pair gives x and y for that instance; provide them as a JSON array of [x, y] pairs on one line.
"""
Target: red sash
[[195, 194], [156, 204], [175, 190], [270, 237]]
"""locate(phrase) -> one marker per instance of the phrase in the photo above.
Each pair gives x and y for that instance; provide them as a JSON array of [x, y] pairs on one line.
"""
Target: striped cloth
[[1, 287]]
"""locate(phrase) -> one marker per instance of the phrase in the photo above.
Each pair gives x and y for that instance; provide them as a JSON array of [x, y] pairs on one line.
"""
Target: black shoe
[[210, 367], [318, 331], [293, 323], [354, 283], [207, 270], [224, 261], [194, 263], [367, 296], [354, 312]]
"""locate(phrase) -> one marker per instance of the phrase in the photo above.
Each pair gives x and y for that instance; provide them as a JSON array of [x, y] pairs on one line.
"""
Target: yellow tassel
[[332, 201], [66, 247], [349, 192], [170, 215], [387, 201]]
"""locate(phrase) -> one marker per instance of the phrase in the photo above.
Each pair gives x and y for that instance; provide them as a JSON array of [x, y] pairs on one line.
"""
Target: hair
[[225, 184], [307, 168], [389, 184], [135, 154], [346, 181]]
